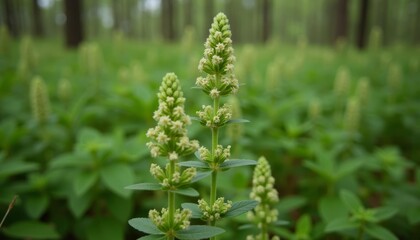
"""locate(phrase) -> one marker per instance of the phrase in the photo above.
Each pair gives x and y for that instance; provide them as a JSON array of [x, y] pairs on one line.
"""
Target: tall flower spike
[[264, 192], [169, 137], [218, 61], [40, 102]]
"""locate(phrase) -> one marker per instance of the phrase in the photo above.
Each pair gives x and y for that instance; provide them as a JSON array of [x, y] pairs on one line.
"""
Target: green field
[[327, 119]]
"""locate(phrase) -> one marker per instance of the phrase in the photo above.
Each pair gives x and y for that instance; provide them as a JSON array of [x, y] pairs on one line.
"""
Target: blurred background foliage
[[331, 89]]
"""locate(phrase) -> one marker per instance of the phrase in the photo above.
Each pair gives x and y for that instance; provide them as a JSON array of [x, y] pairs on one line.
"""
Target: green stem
[[361, 231], [264, 231], [171, 202]]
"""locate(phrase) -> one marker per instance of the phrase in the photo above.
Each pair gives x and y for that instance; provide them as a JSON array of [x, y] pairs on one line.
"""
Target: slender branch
[[11, 205]]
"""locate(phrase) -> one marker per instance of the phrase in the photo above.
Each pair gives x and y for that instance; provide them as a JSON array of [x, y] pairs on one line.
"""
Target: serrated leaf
[[351, 201], [384, 213], [144, 225], [153, 237], [195, 210], [196, 164], [36, 205], [105, 228], [379, 232], [116, 177], [340, 224], [32, 230], [191, 192], [241, 207], [231, 163], [198, 232], [145, 187], [200, 175], [83, 181]]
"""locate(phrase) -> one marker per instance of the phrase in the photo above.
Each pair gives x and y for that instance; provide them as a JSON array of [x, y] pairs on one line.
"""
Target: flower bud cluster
[[174, 180], [212, 213], [352, 115], [221, 154], [161, 220], [40, 101], [264, 192], [260, 237], [342, 82], [169, 137], [211, 120], [218, 60]]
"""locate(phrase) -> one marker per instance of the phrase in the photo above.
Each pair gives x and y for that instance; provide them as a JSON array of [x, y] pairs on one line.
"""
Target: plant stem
[[12, 203], [171, 201], [361, 231], [264, 231]]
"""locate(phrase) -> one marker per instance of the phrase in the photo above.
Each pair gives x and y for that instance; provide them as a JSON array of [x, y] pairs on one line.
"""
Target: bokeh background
[[331, 89]]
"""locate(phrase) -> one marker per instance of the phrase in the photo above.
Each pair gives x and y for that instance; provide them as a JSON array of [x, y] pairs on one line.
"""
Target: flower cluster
[[169, 137], [218, 60], [176, 179], [220, 155], [209, 119], [263, 191], [212, 213], [181, 219], [40, 101]]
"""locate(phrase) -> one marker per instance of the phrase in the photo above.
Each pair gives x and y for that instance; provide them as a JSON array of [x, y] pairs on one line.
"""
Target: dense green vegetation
[[336, 125]]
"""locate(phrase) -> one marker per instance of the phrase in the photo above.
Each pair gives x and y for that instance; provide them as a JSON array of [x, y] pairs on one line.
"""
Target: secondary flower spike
[[169, 138], [218, 61]]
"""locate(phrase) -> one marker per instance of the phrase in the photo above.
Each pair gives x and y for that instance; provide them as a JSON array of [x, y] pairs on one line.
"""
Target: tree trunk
[[341, 28], [266, 19], [38, 29], [209, 15], [11, 17], [168, 23], [74, 26], [188, 21], [363, 14]]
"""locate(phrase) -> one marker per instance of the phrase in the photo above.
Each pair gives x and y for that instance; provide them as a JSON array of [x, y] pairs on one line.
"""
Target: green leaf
[[119, 207], [70, 160], [304, 225], [241, 207], [231, 163], [287, 204], [36, 205], [384, 213], [32, 230], [280, 223], [16, 167], [145, 186], [379, 232], [351, 201], [105, 229], [348, 167], [153, 237], [144, 225], [84, 181], [198, 232], [319, 170], [331, 208], [116, 177], [238, 120], [79, 204], [195, 210], [191, 192], [196, 164], [340, 224], [200, 175]]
